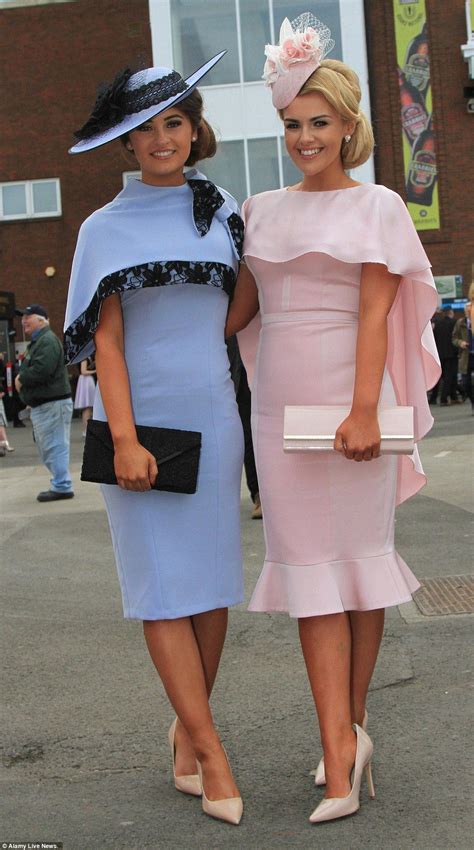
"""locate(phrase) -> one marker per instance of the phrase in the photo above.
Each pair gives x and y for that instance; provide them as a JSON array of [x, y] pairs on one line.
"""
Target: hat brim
[[132, 121]]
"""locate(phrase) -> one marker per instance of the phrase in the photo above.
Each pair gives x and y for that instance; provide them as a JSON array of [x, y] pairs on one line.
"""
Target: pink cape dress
[[328, 521]]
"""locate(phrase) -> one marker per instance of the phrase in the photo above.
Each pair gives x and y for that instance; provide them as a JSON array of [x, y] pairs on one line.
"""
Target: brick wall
[[53, 56], [451, 249]]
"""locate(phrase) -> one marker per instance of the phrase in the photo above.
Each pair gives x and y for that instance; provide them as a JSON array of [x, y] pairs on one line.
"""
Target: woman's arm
[[358, 437], [244, 305], [135, 467]]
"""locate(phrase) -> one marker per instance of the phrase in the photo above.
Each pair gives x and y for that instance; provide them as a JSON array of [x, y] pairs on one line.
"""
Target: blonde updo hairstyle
[[339, 84]]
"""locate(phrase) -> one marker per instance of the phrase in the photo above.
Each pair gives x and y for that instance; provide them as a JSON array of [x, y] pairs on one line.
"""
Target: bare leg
[[86, 415], [175, 652], [210, 630], [367, 631], [326, 643]]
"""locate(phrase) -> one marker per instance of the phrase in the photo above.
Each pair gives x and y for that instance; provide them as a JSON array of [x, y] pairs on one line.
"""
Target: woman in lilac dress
[[152, 276], [345, 296]]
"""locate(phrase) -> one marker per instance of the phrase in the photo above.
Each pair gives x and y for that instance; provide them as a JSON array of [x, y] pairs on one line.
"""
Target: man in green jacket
[[43, 384]]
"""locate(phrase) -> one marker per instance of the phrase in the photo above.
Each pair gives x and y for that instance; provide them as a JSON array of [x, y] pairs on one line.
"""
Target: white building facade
[[185, 33]]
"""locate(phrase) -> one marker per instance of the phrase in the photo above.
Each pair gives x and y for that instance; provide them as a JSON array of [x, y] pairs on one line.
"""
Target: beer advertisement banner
[[419, 143]]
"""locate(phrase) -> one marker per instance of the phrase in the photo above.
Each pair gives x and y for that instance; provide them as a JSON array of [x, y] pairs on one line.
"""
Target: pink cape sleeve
[[381, 231]]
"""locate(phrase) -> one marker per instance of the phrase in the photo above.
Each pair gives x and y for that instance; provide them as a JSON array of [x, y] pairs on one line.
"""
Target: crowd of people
[[454, 341]]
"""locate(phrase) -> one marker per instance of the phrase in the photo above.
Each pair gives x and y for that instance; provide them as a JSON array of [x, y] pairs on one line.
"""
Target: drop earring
[[347, 138]]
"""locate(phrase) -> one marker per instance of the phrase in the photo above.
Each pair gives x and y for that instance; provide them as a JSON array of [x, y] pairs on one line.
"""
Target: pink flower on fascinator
[[291, 51], [305, 40]]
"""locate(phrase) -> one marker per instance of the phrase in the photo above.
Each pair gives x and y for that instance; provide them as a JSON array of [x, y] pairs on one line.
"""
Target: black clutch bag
[[176, 453]]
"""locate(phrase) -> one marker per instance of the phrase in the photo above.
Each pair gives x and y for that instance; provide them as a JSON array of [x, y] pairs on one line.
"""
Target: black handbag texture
[[176, 452]]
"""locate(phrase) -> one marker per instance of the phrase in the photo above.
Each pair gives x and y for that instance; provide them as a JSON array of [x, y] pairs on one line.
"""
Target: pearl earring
[[194, 139], [347, 138]]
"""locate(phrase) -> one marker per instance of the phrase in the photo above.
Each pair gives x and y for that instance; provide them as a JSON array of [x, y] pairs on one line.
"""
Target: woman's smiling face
[[162, 147], [314, 134]]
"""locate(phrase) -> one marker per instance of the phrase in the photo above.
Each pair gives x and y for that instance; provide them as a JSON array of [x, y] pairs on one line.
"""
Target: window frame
[[130, 175], [30, 211]]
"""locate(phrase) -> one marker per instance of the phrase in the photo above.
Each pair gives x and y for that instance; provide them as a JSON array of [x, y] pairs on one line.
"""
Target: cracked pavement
[[84, 756]]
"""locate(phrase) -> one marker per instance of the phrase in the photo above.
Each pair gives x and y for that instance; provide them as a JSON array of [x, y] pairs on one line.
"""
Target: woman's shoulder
[[386, 197], [96, 219], [263, 197]]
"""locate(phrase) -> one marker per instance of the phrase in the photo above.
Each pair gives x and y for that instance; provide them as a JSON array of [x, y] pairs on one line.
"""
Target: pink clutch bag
[[310, 428]]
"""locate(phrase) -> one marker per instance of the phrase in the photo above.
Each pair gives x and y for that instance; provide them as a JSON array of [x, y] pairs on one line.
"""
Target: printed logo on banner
[[419, 141]]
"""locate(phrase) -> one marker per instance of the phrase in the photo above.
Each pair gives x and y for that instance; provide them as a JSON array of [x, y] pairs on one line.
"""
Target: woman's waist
[[319, 316]]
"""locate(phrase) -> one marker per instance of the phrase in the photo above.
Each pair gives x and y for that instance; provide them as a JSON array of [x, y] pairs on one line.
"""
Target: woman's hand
[[135, 467], [358, 437]]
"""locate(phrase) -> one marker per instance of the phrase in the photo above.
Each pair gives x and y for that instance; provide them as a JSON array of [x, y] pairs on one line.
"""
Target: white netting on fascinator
[[307, 21], [303, 45]]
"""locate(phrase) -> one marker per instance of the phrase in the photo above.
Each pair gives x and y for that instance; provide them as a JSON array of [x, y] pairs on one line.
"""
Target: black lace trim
[[115, 101], [206, 201], [134, 100], [170, 273], [236, 227]]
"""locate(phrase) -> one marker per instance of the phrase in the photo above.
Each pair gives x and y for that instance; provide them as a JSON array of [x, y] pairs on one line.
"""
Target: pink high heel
[[339, 807], [318, 773], [187, 784]]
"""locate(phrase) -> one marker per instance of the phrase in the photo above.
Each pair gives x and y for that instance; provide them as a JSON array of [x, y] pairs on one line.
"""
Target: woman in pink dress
[[345, 295]]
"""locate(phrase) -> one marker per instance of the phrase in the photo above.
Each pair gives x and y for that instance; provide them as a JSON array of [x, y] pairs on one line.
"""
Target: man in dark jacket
[[43, 384]]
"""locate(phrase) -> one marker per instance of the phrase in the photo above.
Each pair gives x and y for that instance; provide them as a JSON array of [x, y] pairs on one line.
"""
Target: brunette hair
[[205, 145], [340, 85]]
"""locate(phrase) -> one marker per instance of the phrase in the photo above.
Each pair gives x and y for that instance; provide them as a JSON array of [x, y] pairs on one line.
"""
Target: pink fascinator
[[303, 45]]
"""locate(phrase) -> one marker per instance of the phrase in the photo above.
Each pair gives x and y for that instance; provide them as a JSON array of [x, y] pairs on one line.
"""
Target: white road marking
[[443, 454]]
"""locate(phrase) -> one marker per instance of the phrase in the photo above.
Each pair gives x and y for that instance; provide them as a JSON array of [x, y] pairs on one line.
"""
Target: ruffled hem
[[357, 584]]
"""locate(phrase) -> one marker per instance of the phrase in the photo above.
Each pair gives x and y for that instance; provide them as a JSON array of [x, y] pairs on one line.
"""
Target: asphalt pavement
[[85, 757]]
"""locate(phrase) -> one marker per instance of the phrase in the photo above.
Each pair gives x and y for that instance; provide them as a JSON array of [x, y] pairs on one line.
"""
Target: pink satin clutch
[[309, 428]]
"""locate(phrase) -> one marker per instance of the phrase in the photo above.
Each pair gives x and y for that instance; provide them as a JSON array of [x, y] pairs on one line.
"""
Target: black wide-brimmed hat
[[133, 99]]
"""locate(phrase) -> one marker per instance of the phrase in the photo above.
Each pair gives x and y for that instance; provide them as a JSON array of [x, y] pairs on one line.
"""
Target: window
[[263, 165], [199, 31], [227, 169], [130, 175], [326, 10], [255, 33], [291, 174], [30, 199]]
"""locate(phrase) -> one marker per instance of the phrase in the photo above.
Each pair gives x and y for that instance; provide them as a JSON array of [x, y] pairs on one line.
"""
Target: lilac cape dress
[[171, 253], [329, 522]]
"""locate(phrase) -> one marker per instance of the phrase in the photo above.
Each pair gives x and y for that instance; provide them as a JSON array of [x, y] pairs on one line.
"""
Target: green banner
[[419, 141]]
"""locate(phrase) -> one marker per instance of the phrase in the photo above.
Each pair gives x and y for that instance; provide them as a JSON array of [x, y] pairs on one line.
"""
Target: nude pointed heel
[[190, 784], [370, 780], [319, 773], [332, 808], [230, 809]]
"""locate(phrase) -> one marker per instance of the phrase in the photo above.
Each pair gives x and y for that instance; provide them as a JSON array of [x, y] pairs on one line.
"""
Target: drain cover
[[449, 595]]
